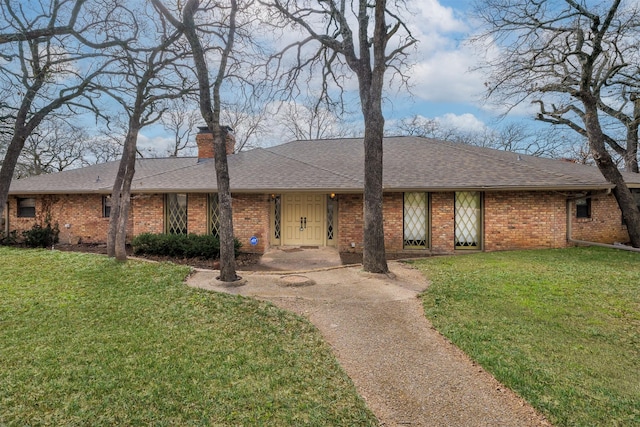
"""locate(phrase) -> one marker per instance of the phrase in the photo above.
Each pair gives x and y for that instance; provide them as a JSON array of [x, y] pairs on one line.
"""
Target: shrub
[[41, 237], [9, 239], [179, 245]]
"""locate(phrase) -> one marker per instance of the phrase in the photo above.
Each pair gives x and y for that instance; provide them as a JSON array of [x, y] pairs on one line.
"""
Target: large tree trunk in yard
[[9, 166], [374, 258], [227, 246], [609, 170], [121, 197], [210, 110]]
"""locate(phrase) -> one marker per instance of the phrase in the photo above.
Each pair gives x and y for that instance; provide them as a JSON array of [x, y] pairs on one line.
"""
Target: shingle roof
[[337, 165]]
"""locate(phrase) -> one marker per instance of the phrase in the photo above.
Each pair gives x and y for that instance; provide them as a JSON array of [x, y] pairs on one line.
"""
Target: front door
[[304, 219]]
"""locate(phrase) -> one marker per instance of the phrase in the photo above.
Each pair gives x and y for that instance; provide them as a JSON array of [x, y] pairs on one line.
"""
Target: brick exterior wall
[[81, 212], [524, 220], [511, 220], [605, 224], [148, 213], [251, 217]]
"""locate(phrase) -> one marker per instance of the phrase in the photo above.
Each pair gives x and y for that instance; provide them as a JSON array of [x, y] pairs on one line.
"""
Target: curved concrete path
[[408, 374]]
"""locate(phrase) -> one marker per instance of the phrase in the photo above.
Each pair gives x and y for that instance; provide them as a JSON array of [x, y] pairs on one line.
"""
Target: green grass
[[560, 327], [85, 340]]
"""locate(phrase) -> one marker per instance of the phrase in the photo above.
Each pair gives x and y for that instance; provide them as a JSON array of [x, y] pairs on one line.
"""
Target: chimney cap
[[205, 129]]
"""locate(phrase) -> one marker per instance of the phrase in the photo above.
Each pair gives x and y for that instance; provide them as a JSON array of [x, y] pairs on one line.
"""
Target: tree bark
[[210, 110], [121, 195], [9, 165], [227, 243], [374, 257], [606, 165], [371, 79]]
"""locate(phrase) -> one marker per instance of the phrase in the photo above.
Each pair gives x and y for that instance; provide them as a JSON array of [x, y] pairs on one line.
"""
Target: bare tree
[[54, 146], [181, 122], [417, 125], [102, 148], [222, 25], [368, 38], [311, 119], [42, 27], [40, 74], [147, 73], [249, 120], [566, 51]]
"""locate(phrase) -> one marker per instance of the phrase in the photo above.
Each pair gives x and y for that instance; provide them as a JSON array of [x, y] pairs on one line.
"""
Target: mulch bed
[[244, 261]]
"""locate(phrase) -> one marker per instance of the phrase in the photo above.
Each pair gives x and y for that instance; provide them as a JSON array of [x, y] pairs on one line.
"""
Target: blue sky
[[443, 85]]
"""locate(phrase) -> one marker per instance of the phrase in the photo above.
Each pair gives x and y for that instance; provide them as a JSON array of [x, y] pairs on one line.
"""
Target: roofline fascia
[[335, 190]]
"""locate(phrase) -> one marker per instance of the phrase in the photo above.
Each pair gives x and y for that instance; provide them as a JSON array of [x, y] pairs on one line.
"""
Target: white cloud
[[464, 122], [445, 76], [153, 146], [443, 64]]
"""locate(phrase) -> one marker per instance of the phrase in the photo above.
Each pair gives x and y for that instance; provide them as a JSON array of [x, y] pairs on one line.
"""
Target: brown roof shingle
[[337, 165]]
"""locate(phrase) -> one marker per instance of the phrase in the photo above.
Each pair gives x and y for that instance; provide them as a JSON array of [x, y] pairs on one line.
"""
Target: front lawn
[[560, 327], [85, 340]]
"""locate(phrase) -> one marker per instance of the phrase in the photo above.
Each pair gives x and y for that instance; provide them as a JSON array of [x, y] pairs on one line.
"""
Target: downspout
[[586, 243]]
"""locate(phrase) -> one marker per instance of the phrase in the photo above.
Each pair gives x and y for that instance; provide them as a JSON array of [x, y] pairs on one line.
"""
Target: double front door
[[304, 219]]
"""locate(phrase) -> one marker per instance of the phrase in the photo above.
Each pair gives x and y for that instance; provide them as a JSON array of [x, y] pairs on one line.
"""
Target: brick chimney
[[204, 139]]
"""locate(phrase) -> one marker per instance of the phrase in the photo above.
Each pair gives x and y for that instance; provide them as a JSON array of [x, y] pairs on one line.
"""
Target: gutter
[[587, 243]]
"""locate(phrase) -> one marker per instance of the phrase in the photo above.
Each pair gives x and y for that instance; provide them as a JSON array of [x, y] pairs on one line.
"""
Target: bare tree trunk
[[227, 246], [609, 170], [9, 166], [210, 110], [631, 160], [121, 196], [374, 257]]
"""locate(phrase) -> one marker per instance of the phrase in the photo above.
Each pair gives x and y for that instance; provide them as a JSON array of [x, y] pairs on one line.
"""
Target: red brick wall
[[512, 220], [148, 213], [605, 224], [350, 222], [82, 214], [442, 222], [524, 220], [197, 215], [251, 218]]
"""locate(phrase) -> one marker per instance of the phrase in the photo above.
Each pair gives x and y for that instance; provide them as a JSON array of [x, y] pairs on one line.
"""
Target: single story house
[[439, 198]]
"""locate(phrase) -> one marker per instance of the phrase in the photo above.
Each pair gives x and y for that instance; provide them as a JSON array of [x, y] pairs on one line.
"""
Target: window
[[468, 220], [26, 208], [415, 220], [106, 206], [331, 216], [277, 216], [214, 215], [176, 214], [583, 208]]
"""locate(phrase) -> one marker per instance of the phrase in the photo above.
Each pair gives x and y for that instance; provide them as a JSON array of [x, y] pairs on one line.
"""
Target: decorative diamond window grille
[[415, 220], [331, 203], [277, 215], [214, 215], [468, 217], [176, 208]]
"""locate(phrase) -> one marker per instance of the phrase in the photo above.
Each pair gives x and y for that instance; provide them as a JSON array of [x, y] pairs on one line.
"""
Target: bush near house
[[39, 236], [179, 245]]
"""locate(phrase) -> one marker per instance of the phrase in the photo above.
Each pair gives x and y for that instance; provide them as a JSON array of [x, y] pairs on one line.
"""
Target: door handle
[[301, 225], [305, 222]]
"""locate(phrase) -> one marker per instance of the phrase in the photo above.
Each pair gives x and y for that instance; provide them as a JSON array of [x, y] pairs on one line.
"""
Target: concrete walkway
[[408, 374]]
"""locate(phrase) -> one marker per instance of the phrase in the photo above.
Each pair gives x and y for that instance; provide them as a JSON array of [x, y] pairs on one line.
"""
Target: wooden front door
[[304, 219]]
